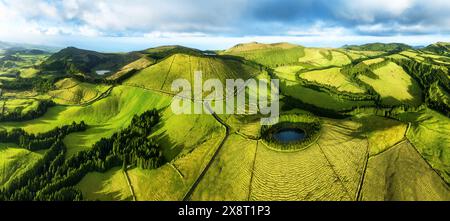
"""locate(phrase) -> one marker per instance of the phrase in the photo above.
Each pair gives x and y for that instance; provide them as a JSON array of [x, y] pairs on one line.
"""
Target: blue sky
[[119, 25]]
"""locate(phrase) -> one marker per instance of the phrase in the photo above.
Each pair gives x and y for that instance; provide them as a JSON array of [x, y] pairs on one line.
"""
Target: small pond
[[289, 135], [102, 72]]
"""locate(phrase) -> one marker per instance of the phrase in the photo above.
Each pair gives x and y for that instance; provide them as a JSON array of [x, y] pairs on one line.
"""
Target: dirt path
[[127, 178]]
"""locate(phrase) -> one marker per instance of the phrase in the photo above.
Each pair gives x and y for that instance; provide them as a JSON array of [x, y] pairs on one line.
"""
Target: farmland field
[[401, 174], [394, 85], [429, 135], [108, 186], [332, 77], [324, 58], [14, 161], [69, 91], [335, 162], [319, 99]]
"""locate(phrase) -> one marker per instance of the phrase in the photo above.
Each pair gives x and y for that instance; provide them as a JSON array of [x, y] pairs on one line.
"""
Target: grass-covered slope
[[74, 61], [394, 85], [105, 116], [108, 186], [183, 66], [14, 161], [438, 48], [401, 174], [379, 47], [71, 91], [429, 134], [332, 77], [271, 55]]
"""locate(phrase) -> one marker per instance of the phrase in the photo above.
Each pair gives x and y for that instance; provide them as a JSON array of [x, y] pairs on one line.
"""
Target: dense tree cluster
[[386, 111], [38, 84], [27, 185], [19, 115], [390, 47], [40, 141], [334, 91], [425, 74], [438, 99]]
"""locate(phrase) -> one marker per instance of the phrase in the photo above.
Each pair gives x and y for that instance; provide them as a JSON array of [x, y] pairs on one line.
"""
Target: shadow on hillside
[[392, 101], [371, 124], [170, 148]]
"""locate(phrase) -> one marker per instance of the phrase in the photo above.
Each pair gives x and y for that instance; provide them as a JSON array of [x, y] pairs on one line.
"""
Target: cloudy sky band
[[214, 24]]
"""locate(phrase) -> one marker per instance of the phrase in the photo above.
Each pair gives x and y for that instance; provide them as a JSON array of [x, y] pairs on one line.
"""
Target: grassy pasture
[[400, 173], [334, 78], [373, 61], [394, 85], [328, 170], [362, 157], [104, 117], [319, 99], [288, 72], [14, 161], [28, 72], [109, 186], [18, 105], [345, 147], [382, 133], [324, 57], [230, 175], [70, 91], [412, 54], [272, 56], [354, 54], [180, 134], [439, 94], [139, 64], [429, 134], [172, 181], [188, 142], [161, 75]]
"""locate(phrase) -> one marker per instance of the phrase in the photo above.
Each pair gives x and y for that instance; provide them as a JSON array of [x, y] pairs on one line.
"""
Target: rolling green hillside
[[379, 47], [438, 48], [74, 61], [271, 55], [374, 120]]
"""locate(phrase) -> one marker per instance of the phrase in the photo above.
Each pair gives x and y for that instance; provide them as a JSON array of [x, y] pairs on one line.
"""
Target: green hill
[[379, 47], [161, 75], [271, 55], [438, 48], [74, 61], [162, 52]]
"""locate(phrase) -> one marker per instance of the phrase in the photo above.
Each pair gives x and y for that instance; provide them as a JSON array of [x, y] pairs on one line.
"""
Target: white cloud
[[369, 10], [200, 22], [320, 28]]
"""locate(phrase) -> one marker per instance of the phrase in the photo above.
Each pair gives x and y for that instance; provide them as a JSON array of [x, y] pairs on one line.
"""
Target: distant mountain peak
[[259, 46], [388, 47]]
